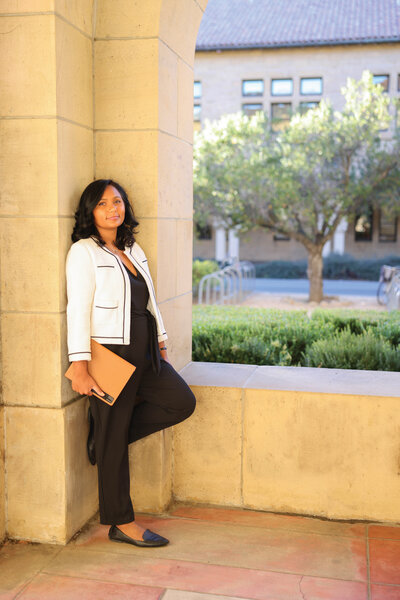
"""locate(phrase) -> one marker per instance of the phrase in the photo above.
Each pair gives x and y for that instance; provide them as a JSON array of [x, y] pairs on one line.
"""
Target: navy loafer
[[150, 539]]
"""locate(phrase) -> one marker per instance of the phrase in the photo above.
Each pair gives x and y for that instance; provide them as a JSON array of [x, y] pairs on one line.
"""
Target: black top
[[143, 348], [139, 292]]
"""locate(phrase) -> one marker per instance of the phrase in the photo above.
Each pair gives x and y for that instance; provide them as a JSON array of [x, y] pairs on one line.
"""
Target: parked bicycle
[[386, 276]]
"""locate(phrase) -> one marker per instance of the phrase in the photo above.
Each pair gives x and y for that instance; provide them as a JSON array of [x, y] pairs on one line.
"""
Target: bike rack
[[228, 285], [393, 293]]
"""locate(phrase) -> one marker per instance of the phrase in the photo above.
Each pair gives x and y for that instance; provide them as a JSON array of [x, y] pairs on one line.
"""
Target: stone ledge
[[301, 379]]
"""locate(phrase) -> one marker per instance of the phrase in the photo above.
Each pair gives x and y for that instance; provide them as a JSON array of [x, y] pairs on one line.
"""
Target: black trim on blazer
[[123, 277], [109, 337], [106, 307], [105, 266]]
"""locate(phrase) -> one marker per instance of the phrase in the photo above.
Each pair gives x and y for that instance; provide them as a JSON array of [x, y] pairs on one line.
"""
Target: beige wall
[[296, 440], [90, 89], [375, 248], [259, 245], [221, 74]]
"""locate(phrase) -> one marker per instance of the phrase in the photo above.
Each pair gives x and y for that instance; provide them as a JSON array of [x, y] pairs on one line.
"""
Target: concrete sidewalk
[[214, 553]]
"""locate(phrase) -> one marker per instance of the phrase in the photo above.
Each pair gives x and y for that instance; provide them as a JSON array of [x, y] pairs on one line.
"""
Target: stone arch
[[91, 88]]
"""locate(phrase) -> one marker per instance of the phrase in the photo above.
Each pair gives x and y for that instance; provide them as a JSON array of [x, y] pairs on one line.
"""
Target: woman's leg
[[111, 441], [165, 400]]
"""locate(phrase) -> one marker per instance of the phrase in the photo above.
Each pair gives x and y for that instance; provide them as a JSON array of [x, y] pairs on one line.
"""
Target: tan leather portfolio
[[111, 372]]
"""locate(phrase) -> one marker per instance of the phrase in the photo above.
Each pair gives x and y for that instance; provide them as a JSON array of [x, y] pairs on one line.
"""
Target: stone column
[[47, 155], [233, 244], [143, 71], [340, 237], [220, 242], [144, 54]]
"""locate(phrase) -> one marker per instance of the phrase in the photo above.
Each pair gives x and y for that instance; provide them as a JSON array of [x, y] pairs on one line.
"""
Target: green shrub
[[282, 269], [347, 350], [234, 334], [201, 268], [336, 266], [252, 335]]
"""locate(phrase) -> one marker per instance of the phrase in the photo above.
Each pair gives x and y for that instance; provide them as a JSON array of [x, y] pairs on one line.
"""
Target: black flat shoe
[[91, 450], [150, 539]]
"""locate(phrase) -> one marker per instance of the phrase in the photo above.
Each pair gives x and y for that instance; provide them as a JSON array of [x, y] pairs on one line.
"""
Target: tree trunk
[[314, 274]]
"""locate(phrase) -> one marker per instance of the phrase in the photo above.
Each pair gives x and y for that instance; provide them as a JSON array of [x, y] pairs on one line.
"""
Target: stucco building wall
[[221, 73]]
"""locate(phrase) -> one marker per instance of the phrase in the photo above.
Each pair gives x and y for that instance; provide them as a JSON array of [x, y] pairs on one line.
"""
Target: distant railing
[[389, 287], [393, 293], [228, 285]]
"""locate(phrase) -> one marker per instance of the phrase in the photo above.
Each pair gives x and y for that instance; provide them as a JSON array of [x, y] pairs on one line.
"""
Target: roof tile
[[229, 24]]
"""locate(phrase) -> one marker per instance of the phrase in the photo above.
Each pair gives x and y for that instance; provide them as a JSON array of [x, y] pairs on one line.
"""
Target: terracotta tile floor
[[214, 554]]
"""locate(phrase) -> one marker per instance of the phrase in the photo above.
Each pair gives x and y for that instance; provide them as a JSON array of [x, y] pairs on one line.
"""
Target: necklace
[[116, 251]]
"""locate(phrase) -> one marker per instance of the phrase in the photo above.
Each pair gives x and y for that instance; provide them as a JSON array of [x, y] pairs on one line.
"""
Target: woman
[[111, 299]]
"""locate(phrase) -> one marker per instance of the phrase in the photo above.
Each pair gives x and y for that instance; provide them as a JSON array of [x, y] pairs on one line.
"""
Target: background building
[[286, 56]]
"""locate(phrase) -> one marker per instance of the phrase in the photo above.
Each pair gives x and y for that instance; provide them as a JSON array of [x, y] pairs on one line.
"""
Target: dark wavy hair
[[84, 221]]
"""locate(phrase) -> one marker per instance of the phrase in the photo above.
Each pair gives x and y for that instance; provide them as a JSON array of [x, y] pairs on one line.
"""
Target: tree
[[301, 182]]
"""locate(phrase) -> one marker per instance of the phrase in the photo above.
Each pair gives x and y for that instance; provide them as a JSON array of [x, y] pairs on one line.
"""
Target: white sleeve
[[80, 291]]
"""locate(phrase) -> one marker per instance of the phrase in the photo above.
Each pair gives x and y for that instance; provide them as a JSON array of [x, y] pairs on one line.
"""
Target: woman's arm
[[80, 289], [163, 351]]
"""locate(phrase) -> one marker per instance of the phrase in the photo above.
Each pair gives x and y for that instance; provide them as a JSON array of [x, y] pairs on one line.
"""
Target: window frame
[[254, 94], [201, 90], [246, 104], [281, 79], [379, 83], [371, 220], [395, 227], [301, 106], [319, 78], [196, 105], [204, 233], [290, 104]]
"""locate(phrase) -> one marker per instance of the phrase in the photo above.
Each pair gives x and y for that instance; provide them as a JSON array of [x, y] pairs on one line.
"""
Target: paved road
[[331, 287]]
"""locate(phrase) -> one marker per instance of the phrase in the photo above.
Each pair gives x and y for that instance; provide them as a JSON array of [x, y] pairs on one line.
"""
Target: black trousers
[[148, 403]]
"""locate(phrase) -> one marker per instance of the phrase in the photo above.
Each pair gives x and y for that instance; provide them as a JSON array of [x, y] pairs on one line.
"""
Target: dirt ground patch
[[300, 302]]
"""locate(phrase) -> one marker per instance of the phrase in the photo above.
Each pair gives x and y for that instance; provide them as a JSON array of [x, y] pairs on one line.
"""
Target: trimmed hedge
[[333, 339], [336, 266]]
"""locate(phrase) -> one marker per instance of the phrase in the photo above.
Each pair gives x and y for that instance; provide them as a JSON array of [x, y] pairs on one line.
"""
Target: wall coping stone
[[300, 379]]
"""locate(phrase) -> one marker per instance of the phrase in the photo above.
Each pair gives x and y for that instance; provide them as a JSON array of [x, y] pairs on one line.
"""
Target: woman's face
[[110, 211]]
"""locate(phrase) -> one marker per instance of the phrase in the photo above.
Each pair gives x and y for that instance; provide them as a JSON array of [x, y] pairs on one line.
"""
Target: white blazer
[[99, 297]]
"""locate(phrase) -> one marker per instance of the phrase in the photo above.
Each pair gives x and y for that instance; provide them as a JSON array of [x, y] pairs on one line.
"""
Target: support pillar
[[233, 244], [47, 155], [339, 237]]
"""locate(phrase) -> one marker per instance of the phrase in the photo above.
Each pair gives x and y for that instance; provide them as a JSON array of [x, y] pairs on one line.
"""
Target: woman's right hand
[[82, 382]]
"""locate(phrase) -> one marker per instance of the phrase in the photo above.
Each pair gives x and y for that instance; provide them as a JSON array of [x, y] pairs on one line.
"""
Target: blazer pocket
[[105, 306], [105, 317]]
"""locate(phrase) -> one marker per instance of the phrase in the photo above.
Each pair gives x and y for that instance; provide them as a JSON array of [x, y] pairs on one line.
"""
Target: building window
[[251, 109], [306, 106], [281, 113], [382, 80], [311, 86], [197, 112], [281, 87], [363, 227], [197, 89], [387, 228], [252, 87], [203, 232], [281, 237]]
